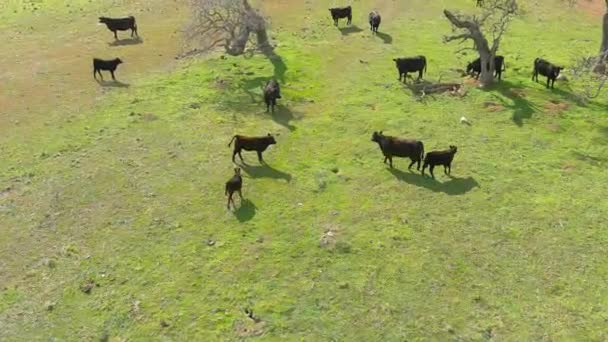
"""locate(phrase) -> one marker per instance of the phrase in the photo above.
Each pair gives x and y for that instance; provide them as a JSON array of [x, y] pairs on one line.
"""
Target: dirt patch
[[249, 329], [554, 127], [471, 81], [555, 107], [595, 8], [518, 93], [6, 192], [493, 107], [569, 167]]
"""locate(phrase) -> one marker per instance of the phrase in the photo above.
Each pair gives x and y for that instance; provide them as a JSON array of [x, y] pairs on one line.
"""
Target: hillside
[[112, 206]]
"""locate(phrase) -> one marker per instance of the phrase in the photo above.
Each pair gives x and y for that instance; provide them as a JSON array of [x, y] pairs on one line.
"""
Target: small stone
[[343, 285], [210, 242], [164, 324]]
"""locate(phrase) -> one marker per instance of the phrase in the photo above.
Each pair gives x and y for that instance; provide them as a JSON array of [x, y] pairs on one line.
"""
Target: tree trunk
[[600, 66]]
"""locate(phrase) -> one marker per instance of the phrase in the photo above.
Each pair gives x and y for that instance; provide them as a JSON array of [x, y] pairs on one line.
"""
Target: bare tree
[[494, 19], [227, 24]]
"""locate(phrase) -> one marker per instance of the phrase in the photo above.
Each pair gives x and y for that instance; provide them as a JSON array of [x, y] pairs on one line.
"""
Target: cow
[[374, 21], [120, 24], [233, 185], [258, 144], [474, 67], [272, 92], [100, 64], [398, 147], [444, 158], [410, 64], [545, 68], [341, 12], [479, 3]]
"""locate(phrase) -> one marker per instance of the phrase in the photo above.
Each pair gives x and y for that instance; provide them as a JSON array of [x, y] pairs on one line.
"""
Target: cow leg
[[385, 159], [548, 80], [112, 72], [424, 168], [115, 35], [449, 169], [95, 73], [418, 168], [241, 195], [100, 74], [390, 161], [420, 74], [445, 169], [241, 156], [431, 171], [229, 199], [260, 157], [412, 163]]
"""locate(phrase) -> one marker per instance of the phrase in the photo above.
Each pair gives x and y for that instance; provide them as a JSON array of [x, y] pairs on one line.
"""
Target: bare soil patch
[[493, 107], [555, 107], [595, 8]]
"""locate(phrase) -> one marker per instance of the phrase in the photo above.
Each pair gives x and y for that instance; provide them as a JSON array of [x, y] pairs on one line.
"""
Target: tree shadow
[[386, 38], [113, 84], [264, 171], [245, 211], [128, 41], [279, 66], [454, 186], [283, 116], [522, 108], [349, 30]]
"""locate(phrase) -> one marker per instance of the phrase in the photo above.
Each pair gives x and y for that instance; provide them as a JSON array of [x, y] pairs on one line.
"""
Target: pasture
[[113, 220]]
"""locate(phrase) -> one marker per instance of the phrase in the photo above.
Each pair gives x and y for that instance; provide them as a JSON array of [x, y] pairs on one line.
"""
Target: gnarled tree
[[494, 19], [227, 24]]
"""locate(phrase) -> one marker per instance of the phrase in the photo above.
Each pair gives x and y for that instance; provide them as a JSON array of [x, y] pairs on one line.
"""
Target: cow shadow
[[350, 30], [127, 41], [514, 99], [283, 115], [113, 84], [245, 211], [264, 171], [453, 187], [386, 38]]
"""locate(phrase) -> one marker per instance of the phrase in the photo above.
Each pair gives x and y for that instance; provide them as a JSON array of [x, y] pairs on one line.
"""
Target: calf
[[120, 24], [234, 185], [444, 158], [258, 144], [272, 92], [100, 64], [374, 21], [545, 68], [410, 64], [341, 12], [397, 147], [474, 67]]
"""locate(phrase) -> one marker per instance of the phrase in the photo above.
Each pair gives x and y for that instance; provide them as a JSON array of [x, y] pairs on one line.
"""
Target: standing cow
[[120, 24], [341, 12], [374, 21], [545, 68], [234, 184], [258, 144], [100, 64], [444, 158], [410, 64], [272, 92], [398, 147], [474, 67]]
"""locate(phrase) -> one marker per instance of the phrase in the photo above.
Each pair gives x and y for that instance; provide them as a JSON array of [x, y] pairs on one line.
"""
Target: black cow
[[272, 92], [410, 64], [233, 185], [499, 66], [258, 144], [444, 158], [397, 147], [341, 12], [545, 68], [374, 21], [120, 24], [100, 64]]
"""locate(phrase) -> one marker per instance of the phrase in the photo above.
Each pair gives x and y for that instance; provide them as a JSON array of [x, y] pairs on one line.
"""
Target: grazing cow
[[234, 185], [374, 21], [545, 68], [341, 12], [258, 144], [100, 64], [272, 92], [444, 158], [397, 147], [120, 24], [499, 66], [410, 64]]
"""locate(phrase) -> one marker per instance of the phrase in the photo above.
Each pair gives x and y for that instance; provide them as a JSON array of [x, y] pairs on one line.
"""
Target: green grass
[[129, 194]]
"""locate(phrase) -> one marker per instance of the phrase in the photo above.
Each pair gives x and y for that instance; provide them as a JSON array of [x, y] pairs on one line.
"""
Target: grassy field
[[118, 191]]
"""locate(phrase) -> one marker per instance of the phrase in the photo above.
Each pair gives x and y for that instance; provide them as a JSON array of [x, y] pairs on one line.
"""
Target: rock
[[164, 324], [50, 306], [86, 288], [343, 285], [210, 242]]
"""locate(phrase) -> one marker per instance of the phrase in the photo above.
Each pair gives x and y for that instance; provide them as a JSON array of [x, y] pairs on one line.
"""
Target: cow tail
[[230, 143], [421, 150], [425, 65]]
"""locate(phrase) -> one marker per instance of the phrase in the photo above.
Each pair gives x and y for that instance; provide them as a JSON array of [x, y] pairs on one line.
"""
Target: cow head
[[103, 19], [453, 149], [118, 61], [557, 69], [377, 136], [270, 139], [237, 171]]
